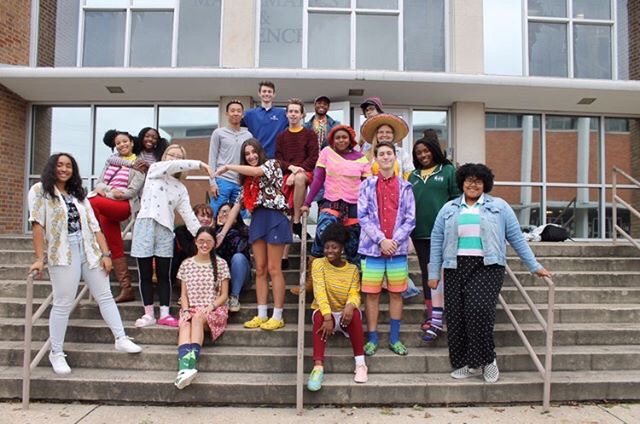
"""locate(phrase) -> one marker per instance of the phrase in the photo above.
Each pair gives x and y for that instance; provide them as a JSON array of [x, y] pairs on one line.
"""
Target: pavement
[[524, 414]]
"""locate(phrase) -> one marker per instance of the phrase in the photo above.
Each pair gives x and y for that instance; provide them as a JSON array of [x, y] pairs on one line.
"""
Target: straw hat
[[371, 125]]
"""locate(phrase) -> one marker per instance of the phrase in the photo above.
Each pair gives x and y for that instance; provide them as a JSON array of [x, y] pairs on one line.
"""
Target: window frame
[[570, 21]]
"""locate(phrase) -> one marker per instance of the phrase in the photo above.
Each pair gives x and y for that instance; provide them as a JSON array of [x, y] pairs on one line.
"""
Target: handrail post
[[26, 360], [548, 354], [614, 207], [301, 312]]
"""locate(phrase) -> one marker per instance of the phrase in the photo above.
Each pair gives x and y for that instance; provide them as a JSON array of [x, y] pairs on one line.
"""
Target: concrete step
[[412, 313], [425, 359], [95, 331], [123, 386]]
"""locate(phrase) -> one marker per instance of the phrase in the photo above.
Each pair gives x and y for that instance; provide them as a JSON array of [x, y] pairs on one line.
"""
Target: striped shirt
[[334, 287], [117, 177], [469, 241]]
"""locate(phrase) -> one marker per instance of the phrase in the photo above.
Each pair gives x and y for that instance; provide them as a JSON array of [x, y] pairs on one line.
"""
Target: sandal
[[370, 348], [398, 348]]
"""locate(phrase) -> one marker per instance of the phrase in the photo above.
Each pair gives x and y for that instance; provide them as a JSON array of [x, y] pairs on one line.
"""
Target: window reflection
[[104, 38], [502, 37], [199, 33], [151, 35]]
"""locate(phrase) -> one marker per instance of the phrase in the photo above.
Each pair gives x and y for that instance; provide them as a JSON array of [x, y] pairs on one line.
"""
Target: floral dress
[[203, 290]]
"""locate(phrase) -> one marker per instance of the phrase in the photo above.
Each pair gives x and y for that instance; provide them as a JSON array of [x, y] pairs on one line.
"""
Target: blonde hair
[[370, 154], [173, 147]]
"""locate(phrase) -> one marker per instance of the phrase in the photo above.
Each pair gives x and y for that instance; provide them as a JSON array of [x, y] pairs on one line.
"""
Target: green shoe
[[398, 348], [370, 348], [188, 361], [315, 379]]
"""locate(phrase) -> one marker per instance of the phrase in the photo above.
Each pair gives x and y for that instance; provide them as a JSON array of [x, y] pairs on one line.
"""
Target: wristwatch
[[106, 254]]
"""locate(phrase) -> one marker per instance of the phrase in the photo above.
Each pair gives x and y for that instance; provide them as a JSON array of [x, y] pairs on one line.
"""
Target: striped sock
[[394, 332], [436, 317]]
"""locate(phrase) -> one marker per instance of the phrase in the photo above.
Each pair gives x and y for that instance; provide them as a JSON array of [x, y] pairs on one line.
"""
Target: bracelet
[[106, 254]]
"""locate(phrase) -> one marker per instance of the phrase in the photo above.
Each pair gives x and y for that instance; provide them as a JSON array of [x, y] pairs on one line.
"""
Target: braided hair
[[212, 252]]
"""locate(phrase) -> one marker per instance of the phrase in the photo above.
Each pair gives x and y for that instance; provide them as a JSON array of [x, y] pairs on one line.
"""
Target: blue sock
[[394, 332], [183, 349], [373, 337], [196, 349]]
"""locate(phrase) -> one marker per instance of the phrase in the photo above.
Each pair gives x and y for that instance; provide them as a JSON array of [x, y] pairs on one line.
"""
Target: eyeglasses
[[474, 182], [174, 155]]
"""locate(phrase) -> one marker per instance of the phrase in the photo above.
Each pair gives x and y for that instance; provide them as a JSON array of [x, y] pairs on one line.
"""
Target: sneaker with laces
[[145, 321], [184, 378], [169, 321], [58, 363], [361, 374], [234, 304], [464, 372], [255, 322], [431, 334], [315, 379], [125, 344], [490, 372], [272, 324]]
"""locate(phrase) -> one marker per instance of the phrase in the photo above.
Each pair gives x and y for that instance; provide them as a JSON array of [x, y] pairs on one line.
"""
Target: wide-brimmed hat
[[342, 127], [374, 101], [371, 125]]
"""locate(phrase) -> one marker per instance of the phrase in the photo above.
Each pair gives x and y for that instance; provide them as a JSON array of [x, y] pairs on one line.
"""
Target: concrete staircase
[[597, 346]]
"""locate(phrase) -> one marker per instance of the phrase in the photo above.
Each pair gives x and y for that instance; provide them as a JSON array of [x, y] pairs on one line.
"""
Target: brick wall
[[47, 32], [634, 73]]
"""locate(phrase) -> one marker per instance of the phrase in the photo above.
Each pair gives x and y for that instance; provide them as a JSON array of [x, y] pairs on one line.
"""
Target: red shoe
[[169, 321]]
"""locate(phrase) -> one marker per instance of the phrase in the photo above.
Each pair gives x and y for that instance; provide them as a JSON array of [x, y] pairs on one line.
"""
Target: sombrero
[[371, 125]]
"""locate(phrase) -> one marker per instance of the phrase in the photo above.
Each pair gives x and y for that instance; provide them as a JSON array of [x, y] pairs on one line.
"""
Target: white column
[[466, 42], [582, 194], [238, 33], [468, 130], [526, 162]]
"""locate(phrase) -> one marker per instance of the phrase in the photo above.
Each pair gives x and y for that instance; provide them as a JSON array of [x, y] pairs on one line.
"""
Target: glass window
[[579, 144], [376, 42], [281, 34], [424, 20], [131, 119], [502, 37], [548, 49], [524, 200], [555, 8], [576, 209], [622, 30], [592, 51], [199, 33], [151, 35], [377, 4], [330, 3], [592, 9], [104, 38], [328, 41], [624, 219], [617, 146], [61, 129], [423, 120], [58, 38]]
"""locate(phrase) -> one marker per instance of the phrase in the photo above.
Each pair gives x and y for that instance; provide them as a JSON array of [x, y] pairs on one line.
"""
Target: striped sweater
[[334, 287]]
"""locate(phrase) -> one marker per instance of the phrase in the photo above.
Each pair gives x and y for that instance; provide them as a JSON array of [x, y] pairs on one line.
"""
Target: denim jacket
[[497, 223], [330, 124], [369, 218]]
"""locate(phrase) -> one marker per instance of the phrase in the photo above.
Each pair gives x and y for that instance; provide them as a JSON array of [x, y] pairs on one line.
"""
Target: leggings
[[64, 284], [109, 213], [354, 329], [163, 273]]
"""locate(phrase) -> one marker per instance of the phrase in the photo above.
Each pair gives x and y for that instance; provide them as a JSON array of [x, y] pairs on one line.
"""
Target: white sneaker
[[145, 321], [464, 372], [124, 344], [184, 378], [234, 304], [490, 372], [59, 364]]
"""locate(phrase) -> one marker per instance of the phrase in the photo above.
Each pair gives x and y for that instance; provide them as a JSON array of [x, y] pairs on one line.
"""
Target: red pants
[[354, 329], [110, 213]]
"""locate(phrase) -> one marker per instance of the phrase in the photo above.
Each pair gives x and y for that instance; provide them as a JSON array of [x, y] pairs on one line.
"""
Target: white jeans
[[64, 283]]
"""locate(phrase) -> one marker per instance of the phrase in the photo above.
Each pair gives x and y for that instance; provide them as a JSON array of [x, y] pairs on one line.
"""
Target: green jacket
[[431, 194]]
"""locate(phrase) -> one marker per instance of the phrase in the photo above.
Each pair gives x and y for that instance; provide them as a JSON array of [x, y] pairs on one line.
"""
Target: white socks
[[262, 311]]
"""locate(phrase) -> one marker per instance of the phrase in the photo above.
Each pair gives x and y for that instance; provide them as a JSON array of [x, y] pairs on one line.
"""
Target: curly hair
[[48, 178], [212, 253], [335, 232], [109, 138], [158, 150], [475, 170]]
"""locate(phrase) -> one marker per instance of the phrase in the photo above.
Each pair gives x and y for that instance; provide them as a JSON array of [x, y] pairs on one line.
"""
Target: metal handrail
[[28, 365], [615, 199], [301, 310], [547, 326]]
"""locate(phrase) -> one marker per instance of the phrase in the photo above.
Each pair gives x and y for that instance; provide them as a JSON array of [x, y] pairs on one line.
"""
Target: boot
[[308, 282], [121, 269]]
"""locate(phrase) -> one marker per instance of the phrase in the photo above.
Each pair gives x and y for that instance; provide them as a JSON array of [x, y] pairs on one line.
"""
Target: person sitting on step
[[205, 290], [336, 290]]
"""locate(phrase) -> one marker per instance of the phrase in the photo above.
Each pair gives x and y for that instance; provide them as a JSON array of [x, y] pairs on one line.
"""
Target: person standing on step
[[434, 183], [336, 291], [224, 148], [115, 198], [235, 250], [468, 242], [163, 196], [67, 236], [269, 231], [297, 152], [203, 303], [386, 213], [266, 121], [321, 123], [372, 106]]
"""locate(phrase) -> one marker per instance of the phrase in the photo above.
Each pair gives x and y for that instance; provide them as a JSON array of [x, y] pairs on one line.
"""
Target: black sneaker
[[297, 229]]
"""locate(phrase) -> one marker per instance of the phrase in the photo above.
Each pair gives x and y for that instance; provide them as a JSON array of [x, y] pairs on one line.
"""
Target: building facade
[[543, 91]]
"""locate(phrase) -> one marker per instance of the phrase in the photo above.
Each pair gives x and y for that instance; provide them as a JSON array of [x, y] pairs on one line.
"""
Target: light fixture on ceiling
[[356, 91], [586, 100], [114, 89]]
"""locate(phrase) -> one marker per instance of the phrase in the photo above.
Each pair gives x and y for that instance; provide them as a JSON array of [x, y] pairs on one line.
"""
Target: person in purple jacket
[[386, 213]]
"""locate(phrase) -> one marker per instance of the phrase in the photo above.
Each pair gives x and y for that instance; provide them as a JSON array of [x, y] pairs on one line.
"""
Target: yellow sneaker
[[255, 322], [272, 324]]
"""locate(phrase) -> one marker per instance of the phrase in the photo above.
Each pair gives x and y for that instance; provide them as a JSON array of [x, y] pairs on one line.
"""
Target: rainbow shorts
[[374, 269]]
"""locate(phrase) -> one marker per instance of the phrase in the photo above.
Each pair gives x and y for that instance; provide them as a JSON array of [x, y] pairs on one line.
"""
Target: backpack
[[553, 232]]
